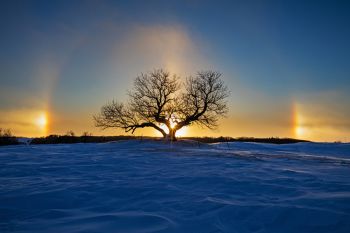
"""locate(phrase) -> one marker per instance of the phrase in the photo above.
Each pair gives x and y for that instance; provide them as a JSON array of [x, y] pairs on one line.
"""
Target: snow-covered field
[[138, 186]]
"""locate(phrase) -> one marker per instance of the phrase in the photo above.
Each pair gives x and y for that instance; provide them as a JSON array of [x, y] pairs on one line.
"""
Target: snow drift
[[151, 186]]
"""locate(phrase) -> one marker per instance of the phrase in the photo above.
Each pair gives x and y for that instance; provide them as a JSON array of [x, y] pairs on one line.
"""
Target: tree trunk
[[172, 136]]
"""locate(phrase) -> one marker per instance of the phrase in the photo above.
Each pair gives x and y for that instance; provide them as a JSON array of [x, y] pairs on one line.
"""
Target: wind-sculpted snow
[[152, 186]]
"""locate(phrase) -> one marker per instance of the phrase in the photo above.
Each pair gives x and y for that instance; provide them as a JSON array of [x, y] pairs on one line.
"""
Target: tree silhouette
[[159, 98]]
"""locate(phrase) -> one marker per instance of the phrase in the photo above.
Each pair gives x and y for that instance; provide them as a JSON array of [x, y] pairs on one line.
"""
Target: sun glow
[[180, 133], [41, 121], [299, 131], [300, 128]]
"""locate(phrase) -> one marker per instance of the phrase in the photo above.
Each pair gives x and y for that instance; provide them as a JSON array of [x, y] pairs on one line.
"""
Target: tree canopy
[[159, 98]]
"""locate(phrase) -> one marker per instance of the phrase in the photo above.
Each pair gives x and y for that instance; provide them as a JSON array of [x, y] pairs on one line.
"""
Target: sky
[[286, 63]]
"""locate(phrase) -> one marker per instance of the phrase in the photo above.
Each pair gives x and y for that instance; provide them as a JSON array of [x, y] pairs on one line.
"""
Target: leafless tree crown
[[160, 98]]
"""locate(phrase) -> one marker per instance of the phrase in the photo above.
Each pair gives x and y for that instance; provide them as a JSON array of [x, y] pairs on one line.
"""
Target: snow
[[23, 140], [152, 186]]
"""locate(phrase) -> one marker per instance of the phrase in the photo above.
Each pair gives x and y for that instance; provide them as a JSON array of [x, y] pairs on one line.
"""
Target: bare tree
[[86, 134], [159, 98], [70, 133], [5, 133]]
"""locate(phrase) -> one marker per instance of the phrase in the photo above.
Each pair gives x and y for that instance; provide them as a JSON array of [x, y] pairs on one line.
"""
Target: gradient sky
[[287, 63]]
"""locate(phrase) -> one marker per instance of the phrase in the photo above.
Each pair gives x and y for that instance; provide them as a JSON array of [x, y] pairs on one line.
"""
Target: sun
[[180, 133], [41, 121], [299, 131]]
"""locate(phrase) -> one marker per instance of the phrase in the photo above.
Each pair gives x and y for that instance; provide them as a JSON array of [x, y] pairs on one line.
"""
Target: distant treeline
[[273, 140], [55, 139], [9, 139], [6, 137]]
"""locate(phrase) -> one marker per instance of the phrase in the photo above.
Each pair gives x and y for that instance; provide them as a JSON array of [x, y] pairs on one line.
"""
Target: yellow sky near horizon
[[36, 123]]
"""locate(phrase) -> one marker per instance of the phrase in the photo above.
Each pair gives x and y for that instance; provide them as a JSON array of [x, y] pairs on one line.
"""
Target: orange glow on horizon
[[26, 122], [41, 122], [298, 128]]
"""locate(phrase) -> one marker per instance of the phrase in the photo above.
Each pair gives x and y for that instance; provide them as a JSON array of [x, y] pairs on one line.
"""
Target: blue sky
[[287, 63]]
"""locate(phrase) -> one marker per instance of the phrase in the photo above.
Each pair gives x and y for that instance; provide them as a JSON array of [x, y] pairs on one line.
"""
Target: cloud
[[160, 46]]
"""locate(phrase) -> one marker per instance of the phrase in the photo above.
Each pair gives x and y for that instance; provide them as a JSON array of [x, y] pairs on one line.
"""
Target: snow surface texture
[[138, 186]]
